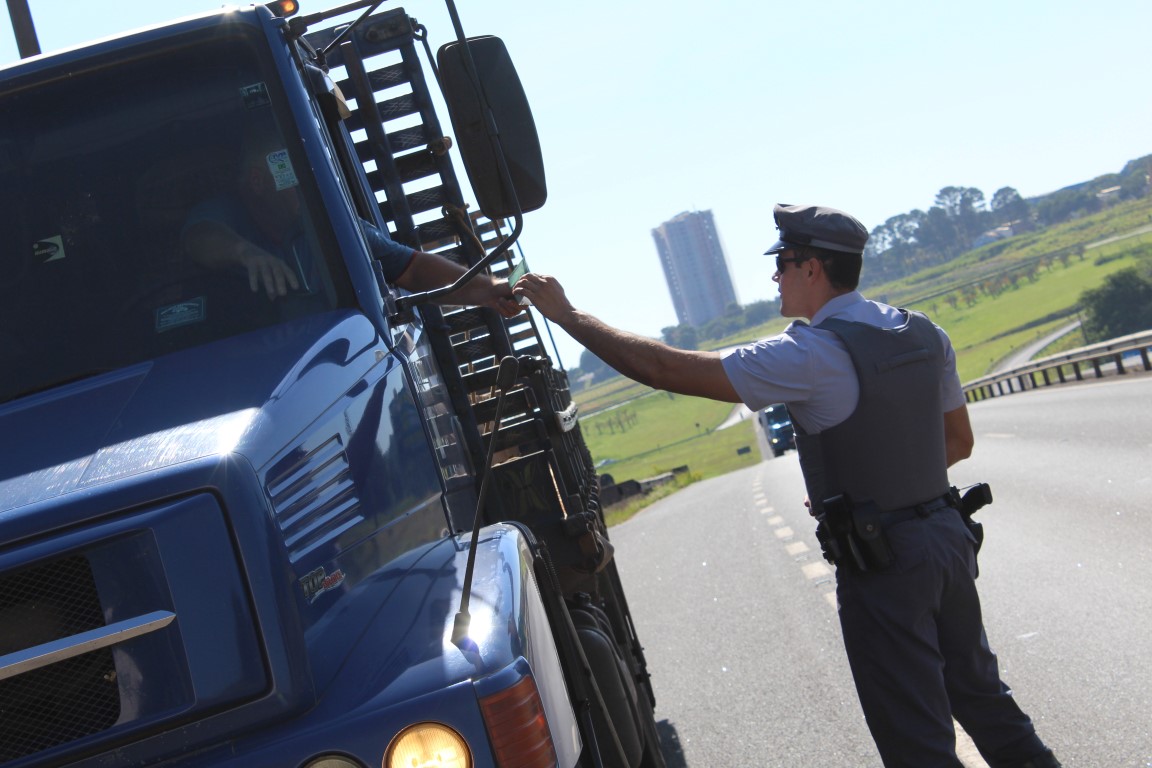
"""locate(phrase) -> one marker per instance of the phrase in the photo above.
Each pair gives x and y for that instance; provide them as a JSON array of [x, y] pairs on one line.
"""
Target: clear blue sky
[[649, 109]]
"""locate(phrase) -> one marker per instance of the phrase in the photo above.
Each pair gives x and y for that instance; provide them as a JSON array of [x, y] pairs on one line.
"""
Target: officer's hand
[[545, 293]]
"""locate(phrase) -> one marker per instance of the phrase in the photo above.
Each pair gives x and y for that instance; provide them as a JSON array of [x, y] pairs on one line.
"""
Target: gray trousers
[[919, 655]]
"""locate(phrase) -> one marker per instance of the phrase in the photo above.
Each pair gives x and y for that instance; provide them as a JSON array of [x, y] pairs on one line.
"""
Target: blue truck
[[347, 527]]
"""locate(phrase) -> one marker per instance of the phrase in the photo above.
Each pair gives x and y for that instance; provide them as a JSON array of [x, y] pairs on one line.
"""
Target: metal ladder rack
[[398, 137]]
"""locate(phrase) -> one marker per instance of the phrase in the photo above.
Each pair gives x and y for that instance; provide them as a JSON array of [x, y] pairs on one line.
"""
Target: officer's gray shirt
[[811, 371]]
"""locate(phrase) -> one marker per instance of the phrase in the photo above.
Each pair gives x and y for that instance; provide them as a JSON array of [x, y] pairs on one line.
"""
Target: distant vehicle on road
[[777, 425]]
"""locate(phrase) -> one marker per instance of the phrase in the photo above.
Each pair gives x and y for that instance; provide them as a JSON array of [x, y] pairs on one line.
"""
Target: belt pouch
[[866, 521]]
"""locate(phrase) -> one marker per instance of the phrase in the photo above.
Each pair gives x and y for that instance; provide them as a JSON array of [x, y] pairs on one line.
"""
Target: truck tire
[[616, 687]]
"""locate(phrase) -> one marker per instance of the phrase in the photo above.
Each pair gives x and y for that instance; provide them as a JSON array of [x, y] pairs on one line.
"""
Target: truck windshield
[[149, 203]]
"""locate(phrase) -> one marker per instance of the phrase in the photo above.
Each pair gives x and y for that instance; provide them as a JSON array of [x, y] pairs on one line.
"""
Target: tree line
[[962, 219]]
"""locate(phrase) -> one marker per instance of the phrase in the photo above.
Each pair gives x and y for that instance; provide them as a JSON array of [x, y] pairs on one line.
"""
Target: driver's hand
[[268, 272], [507, 306]]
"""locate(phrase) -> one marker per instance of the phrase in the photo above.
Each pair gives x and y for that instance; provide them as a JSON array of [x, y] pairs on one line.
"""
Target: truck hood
[[200, 402]]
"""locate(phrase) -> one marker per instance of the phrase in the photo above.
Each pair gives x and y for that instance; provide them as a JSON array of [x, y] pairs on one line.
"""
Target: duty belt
[[854, 534], [895, 516]]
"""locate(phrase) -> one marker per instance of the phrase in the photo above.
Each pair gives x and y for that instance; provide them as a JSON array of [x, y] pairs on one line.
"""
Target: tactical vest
[[890, 450]]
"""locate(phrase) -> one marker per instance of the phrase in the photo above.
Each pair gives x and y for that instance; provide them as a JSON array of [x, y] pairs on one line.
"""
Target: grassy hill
[[992, 301]]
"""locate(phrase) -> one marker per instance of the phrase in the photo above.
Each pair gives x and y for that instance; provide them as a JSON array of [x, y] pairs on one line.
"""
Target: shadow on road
[[670, 745]]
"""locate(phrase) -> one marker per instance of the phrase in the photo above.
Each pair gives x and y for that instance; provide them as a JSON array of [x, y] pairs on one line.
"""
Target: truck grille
[[91, 651], [64, 701]]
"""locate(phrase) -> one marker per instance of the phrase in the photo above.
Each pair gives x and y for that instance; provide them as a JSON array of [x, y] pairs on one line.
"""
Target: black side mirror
[[494, 107]]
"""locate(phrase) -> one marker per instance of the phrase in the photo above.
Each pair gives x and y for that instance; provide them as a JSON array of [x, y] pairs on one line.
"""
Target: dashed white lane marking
[[815, 570]]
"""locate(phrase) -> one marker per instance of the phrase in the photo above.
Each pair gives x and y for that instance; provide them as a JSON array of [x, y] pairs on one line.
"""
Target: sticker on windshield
[[180, 314], [48, 249], [281, 168], [255, 95]]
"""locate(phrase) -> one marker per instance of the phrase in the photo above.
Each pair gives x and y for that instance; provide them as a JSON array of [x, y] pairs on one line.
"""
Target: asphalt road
[[734, 605]]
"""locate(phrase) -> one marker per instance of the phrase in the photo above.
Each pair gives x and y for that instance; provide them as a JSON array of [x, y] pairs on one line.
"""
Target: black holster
[[975, 497], [853, 533]]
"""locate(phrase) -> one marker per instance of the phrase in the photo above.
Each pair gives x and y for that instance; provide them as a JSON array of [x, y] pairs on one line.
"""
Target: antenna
[[505, 377]]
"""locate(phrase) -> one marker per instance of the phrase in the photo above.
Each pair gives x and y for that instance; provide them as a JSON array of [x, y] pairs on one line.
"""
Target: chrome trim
[[45, 654]]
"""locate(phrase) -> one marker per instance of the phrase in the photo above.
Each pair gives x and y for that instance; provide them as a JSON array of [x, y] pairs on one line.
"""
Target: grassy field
[[658, 431], [995, 326], [634, 432]]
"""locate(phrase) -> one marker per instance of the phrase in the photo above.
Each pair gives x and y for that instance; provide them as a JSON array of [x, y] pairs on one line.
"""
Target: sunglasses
[[782, 260]]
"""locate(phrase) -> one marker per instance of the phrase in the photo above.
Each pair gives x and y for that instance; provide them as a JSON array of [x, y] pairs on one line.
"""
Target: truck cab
[[242, 527]]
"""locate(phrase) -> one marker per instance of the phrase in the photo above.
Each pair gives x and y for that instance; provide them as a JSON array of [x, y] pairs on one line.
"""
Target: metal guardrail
[[1052, 369]]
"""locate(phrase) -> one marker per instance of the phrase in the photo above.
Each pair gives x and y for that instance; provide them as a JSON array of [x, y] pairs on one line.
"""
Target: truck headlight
[[333, 761], [428, 745]]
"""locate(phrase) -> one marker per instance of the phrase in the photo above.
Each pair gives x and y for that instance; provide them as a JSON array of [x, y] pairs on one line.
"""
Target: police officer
[[880, 416]]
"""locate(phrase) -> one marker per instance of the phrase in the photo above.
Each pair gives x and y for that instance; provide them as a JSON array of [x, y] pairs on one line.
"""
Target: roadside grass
[[706, 456], [618, 513], [610, 393], [655, 433], [1065, 343]]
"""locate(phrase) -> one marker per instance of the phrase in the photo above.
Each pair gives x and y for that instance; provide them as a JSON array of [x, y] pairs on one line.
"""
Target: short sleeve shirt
[[810, 370], [393, 257]]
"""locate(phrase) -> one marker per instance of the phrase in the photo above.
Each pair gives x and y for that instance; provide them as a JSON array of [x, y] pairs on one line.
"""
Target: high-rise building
[[695, 267]]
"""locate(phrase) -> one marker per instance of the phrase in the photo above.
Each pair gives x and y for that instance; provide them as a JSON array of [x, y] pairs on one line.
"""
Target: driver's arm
[[427, 271], [418, 271]]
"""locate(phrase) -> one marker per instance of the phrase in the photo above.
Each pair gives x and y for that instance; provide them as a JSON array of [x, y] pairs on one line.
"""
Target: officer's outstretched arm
[[958, 439], [645, 360]]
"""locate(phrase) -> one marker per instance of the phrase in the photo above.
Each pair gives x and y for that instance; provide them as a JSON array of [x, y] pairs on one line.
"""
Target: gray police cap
[[816, 225]]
